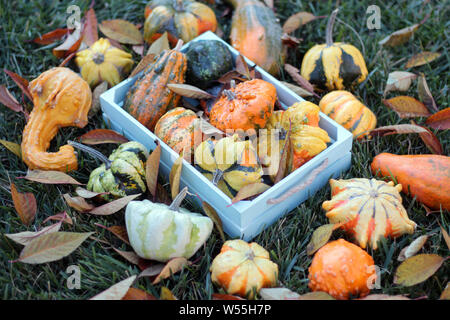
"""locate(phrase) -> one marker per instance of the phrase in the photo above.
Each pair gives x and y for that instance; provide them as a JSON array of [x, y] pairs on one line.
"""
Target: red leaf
[[98, 136], [67, 59], [51, 36], [137, 294], [25, 204], [70, 45], [7, 99], [430, 140], [21, 82], [90, 30], [440, 120]]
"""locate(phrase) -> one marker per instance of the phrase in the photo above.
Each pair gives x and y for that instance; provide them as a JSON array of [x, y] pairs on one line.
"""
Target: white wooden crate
[[245, 219]]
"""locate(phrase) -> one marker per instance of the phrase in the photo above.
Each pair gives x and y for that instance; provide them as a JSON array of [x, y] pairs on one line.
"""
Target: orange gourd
[[425, 176], [243, 268], [342, 269], [61, 98], [246, 106]]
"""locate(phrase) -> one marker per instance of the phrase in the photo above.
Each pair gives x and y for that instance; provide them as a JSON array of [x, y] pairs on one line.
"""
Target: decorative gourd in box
[[369, 208], [333, 65], [61, 98], [342, 270], [181, 19], [243, 268]]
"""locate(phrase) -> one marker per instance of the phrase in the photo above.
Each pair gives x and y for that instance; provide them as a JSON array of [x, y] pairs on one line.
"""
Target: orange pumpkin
[[242, 268], [61, 98], [248, 105], [342, 269]]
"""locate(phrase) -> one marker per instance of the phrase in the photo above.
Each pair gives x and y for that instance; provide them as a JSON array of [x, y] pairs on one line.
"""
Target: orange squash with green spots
[[425, 176]]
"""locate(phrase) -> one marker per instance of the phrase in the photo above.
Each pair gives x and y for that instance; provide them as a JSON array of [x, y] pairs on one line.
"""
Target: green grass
[[101, 266]]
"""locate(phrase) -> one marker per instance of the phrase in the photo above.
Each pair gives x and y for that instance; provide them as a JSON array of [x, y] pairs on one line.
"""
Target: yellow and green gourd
[[160, 232]]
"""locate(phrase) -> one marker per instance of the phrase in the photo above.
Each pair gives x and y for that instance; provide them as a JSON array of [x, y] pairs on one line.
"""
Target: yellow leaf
[[117, 291], [445, 295], [175, 175], [400, 36], [319, 238], [422, 58], [407, 107], [166, 294], [417, 269], [121, 31], [297, 20], [13, 147], [172, 266]]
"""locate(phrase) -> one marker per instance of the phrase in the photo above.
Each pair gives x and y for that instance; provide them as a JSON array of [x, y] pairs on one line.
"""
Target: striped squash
[[256, 34], [369, 208], [344, 108], [149, 98], [157, 232], [229, 163], [180, 129], [243, 268], [333, 65]]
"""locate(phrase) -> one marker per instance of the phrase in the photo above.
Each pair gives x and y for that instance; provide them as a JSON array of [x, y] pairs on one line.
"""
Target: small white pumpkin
[[158, 232]]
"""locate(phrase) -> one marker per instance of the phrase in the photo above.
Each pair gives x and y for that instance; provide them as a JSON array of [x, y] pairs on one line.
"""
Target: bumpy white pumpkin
[[159, 233]]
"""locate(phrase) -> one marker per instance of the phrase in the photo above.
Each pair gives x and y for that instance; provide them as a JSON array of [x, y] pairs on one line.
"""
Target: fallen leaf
[[144, 63], [78, 203], [99, 136], [162, 196], [50, 37], [384, 297], [400, 36], [407, 107], [417, 269], [295, 75], [317, 295], [152, 170], [26, 237], [297, 20], [231, 75], [212, 214], [137, 294], [8, 100], [113, 206], [422, 58], [208, 129], [172, 266], [445, 295], [250, 190], [319, 238], [175, 176], [67, 60], [278, 294], [22, 83], [431, 141], [117, 291], [13, 147], [122, 31], [62, 216], [412, 248], [439, 120], [52, 246], [50, 177], [139, 49], [189, 91], [119, 231], [220, 296], [70, 45], [425, 95], [397, 129], [88, 194], [283, 169], [399, 80], [115, 43], [166, 294], [25, 205], [242, 67], [152, 270], [98, 91], [446, 237], [90, 29], [290, 41], [158, 46], [130, 256]]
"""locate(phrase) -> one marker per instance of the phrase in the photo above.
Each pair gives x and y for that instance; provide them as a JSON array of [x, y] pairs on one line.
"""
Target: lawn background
[[286, 240]]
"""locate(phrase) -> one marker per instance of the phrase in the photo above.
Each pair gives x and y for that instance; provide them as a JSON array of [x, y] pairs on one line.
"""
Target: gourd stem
[[179, 45], [178, 5], [217, 176], [94, 153], [175, 205], [329, 30], [229, 94]]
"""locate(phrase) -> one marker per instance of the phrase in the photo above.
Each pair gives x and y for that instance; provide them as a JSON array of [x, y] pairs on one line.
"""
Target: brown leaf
[[78, 203], [152, 170], [285, 154], [175, 176], [319, 238], [162, 196], [242, 67], [295, 74], [250, 190], [212, 214], [407, 107], [119, 231], [52, 246], [152, 270], [50, 177], [231, 75], [137, 294], [113, 206], [99, 136], [399, 80], [172, 266], [130, 256], [158, 46], [122, 31], [22, 83], [425, 95], [90, 29], [25, 205], [70, 45], [422, 58], [50, 37], [412, 248], [446, 237], [98, 91], [278, 294], [219, 296], [166, 294], [145, 61], [431, 141], [26, 237], [297, 20], [290, 41], [88, 194], [62, 216], [189, 91], [417, 269], [440, 120], [445, 295], [400, 36], [397, 129], [8, 100], [13, 147], [117, 291]]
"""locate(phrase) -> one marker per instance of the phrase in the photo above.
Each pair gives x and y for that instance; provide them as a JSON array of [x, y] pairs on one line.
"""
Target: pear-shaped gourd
[[160, 232]]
